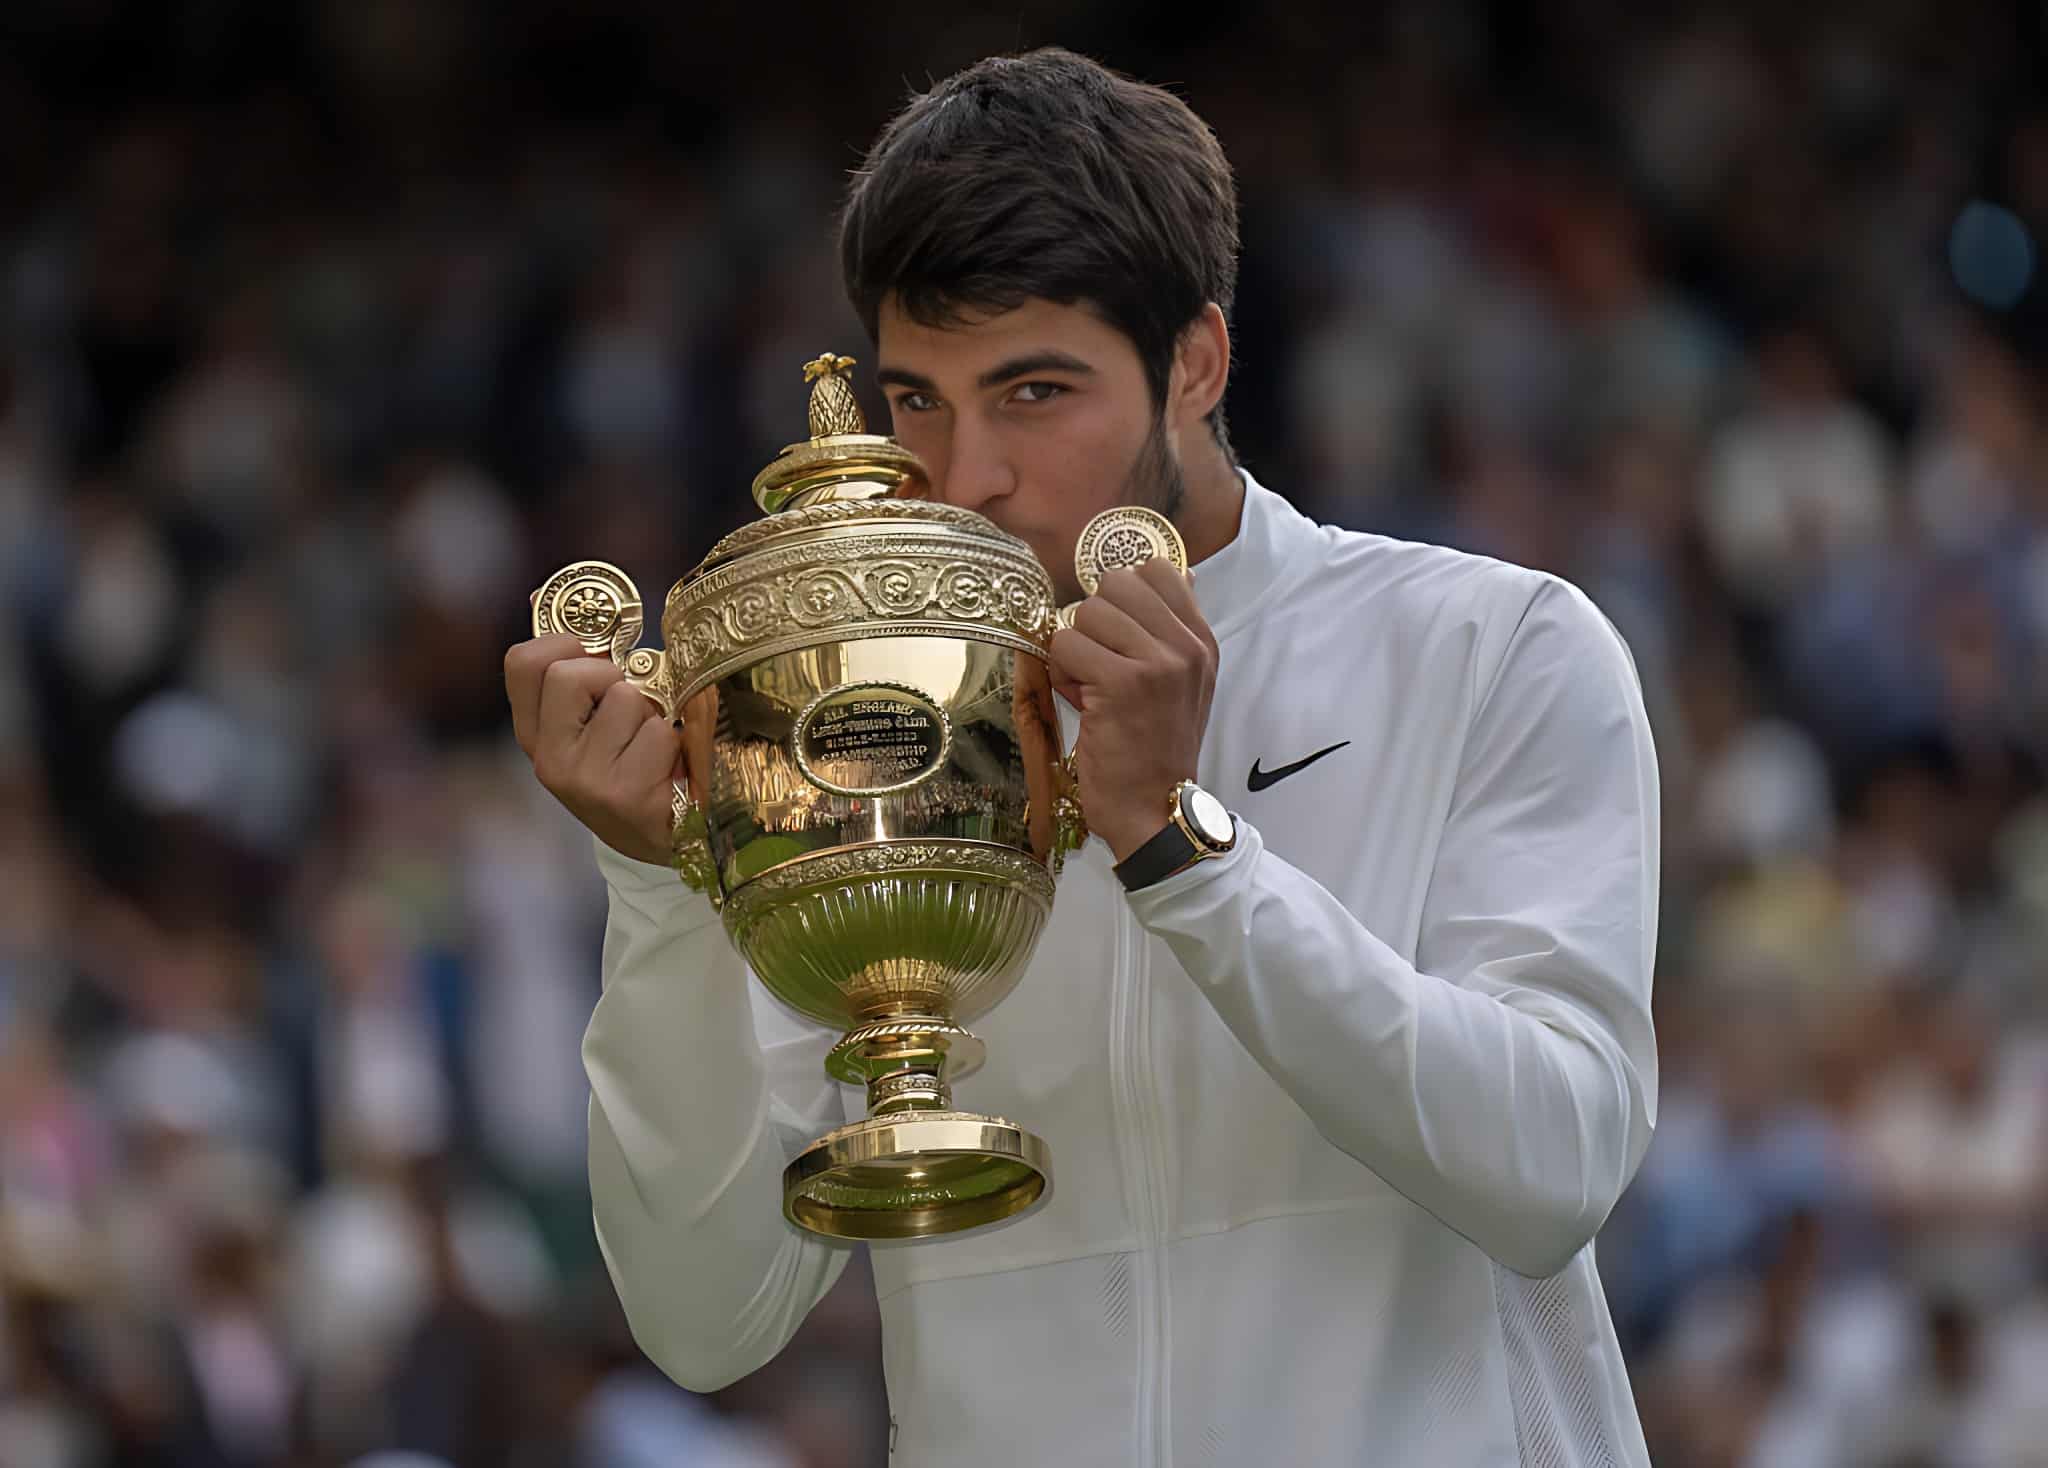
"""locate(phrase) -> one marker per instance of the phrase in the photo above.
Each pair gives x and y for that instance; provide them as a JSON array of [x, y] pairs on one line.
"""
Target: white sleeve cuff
[[654, 890], [1154, 905]]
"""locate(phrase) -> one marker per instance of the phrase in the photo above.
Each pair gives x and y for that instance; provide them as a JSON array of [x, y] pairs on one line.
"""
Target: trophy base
[[913, 1174]]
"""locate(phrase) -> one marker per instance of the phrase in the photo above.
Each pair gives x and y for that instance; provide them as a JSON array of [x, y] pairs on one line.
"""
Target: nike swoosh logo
[[1259, 779]]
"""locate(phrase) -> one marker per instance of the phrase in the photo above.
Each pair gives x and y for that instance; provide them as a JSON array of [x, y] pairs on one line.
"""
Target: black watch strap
[[1157, 859]]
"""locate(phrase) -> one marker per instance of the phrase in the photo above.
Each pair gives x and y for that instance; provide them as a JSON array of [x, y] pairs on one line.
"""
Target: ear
[[1201, 369]]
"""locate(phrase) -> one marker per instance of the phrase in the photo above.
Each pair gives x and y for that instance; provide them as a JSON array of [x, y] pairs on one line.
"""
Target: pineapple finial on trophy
[[833, 408], [841, 460]]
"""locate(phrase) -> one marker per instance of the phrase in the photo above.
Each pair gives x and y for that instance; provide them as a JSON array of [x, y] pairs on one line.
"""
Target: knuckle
[[580, 672], [1091, 623], [538, 654]]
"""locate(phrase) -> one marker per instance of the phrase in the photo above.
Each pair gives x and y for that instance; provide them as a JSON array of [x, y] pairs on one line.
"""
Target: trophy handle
[[598, 604], [1070, 822]]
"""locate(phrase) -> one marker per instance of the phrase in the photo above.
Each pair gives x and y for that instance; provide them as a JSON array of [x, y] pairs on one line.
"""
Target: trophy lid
[[850, 545], [841, 460]]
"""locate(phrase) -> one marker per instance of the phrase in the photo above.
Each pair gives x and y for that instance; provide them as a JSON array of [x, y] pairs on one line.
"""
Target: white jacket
[[1333, 1119]]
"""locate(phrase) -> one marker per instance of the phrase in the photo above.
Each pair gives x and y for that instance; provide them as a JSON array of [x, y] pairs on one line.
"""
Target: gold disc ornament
[[594, 602], [598, 604], [1124, 535]]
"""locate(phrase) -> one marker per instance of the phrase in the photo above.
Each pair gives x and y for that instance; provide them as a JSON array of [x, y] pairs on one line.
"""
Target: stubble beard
[[1155, 480]]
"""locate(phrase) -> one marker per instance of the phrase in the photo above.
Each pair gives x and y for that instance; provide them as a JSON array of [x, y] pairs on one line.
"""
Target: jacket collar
[[1231, 584]]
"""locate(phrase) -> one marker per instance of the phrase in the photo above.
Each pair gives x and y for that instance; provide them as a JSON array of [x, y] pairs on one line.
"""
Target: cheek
[[1067, 472], [919, 433]]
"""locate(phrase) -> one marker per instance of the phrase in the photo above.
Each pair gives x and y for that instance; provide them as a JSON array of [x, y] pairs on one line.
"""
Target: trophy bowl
[[874, 795]]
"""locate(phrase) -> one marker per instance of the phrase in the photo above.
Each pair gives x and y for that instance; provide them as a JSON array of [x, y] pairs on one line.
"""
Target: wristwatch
[[1197, 828]]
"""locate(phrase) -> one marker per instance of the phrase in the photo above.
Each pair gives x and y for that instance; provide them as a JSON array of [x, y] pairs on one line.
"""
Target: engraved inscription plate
[[870, 738]]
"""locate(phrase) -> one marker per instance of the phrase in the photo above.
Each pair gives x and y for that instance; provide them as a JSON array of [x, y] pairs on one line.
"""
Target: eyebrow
[[1010, 371]]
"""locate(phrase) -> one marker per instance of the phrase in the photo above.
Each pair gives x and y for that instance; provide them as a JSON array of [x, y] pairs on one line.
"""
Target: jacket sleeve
[[1507, 1079], [702, 1086]]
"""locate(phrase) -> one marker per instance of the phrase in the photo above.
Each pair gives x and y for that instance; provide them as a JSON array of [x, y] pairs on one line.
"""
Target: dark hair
[[1046, 176]]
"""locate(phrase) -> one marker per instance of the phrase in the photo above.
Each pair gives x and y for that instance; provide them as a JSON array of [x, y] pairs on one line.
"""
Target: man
[[1338, 1093]]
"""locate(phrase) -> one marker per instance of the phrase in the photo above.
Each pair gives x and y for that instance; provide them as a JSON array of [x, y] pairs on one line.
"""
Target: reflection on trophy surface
[[876, 795]]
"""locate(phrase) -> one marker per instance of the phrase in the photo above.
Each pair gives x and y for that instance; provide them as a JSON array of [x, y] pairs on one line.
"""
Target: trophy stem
[[909, 1090], [907, 1061]]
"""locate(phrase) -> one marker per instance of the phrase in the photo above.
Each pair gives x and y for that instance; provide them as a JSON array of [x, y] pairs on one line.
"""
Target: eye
[[916, 402], [1038, 392]]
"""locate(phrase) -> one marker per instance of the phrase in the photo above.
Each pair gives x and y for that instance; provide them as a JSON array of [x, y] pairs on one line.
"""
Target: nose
[[977, 469]]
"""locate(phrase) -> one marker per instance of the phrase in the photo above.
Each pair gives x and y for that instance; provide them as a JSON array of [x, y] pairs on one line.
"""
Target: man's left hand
[[1140, 664]]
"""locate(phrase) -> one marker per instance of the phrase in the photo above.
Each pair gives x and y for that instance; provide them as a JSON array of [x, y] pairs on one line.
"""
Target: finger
[[652, 757], [1062, 682], [1177, 589], [1148, 593], [620, 712], [569, 692], [1081, 659], [1114, 627], [526, 664]]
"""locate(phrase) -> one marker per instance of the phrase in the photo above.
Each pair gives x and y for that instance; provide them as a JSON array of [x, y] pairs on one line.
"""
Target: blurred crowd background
[[328, 328]]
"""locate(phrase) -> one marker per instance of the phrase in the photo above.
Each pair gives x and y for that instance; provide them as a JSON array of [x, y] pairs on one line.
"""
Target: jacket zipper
[[1137, 1102]]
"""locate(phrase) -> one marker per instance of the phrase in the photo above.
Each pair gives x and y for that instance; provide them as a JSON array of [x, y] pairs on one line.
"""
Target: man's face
[[1039, 418]]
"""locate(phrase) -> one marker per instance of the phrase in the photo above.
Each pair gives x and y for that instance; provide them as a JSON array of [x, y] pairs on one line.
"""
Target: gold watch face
[[1206, 814]]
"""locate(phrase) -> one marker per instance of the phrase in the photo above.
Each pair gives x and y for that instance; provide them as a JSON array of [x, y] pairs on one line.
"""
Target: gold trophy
[[875, 793]]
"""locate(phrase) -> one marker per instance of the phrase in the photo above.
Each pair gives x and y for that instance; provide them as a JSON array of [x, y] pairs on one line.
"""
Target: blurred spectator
[[1798, 480], [1954, 1142]]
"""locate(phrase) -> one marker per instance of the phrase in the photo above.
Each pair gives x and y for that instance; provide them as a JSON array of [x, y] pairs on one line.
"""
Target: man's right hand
[[597, 743]]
